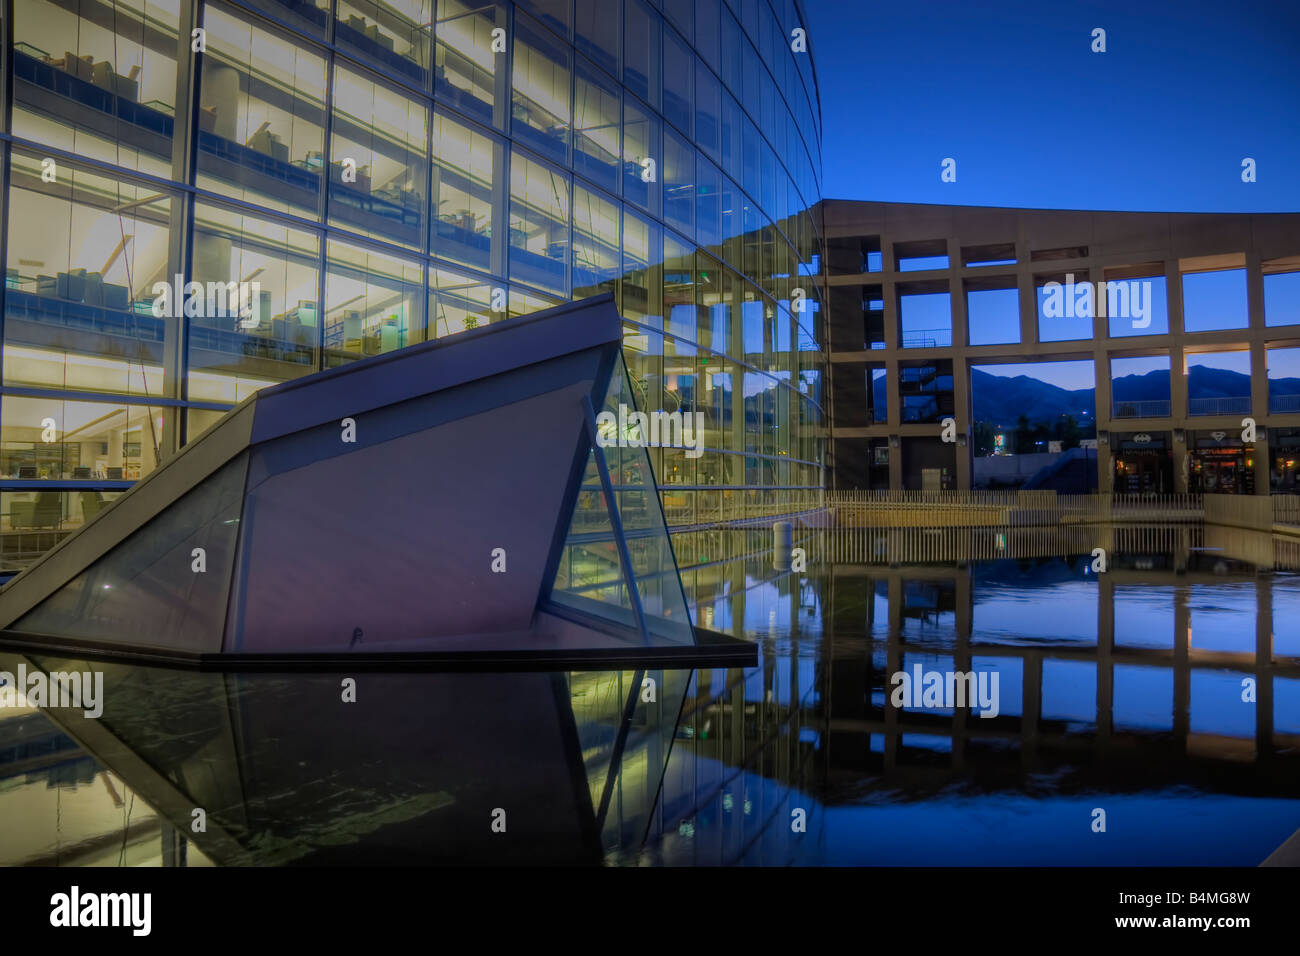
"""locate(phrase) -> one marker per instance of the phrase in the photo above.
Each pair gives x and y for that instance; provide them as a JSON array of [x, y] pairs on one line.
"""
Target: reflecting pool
[[1162, 693]]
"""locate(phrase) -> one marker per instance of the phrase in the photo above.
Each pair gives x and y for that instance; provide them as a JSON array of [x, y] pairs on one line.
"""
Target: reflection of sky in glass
[[1223, 617], [1217, 707], [1069, 691], [1143, 698], [1144, 616]]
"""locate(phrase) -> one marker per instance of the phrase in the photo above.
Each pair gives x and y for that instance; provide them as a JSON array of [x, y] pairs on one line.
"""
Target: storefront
[[1144, 464], [1220, 463], [1284, 447]]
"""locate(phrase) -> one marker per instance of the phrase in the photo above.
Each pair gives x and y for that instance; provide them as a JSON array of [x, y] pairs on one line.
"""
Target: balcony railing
[[927, 339], [1152, 408], [1235, 405], [1283, 404]]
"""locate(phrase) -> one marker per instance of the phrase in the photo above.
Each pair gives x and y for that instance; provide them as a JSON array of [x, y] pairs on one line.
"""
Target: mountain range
[[1001, 400]]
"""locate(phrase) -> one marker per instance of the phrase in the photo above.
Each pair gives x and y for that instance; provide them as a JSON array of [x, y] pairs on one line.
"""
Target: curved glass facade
[[358, 176]]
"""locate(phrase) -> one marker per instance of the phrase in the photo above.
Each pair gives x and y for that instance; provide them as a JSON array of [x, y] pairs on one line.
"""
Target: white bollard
[[782, 543]]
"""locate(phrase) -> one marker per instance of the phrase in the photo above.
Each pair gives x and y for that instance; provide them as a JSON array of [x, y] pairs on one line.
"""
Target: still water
[[1164, 692]]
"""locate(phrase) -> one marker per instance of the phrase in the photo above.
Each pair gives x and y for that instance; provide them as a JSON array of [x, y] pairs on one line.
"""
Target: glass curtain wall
[[342, 178]]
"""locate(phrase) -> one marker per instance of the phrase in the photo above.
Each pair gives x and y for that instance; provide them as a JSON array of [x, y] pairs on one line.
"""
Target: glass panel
[[79, 290], [377, 162], [310, 16], [708, 206], [524, 302], [642, 270], [199, 420], [100, 84], [32, 522], [679, 79], [639, 508], [146, 591], [539, 224], [641, 60], [261, 116], [708, 111], [540, 108], [599, 23], [591, 567], [395, 34], [554, 13], [641, 157], [596, 264], [464, 169], [706, 31], [597, 145], [274, 267], [682, 15], [459, 302], [51, 438], [374, 303], [679, 183], [465, 66], [679, 288]]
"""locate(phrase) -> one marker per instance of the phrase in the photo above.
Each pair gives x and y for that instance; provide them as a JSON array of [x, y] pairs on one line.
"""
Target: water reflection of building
[[1130, 681], [286, 774]]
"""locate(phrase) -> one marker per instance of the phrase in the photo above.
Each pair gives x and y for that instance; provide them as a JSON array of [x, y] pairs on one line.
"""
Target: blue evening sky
[[1013, 93]]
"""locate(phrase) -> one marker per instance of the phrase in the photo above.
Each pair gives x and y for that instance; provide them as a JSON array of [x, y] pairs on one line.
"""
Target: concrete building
[[1203, 309]]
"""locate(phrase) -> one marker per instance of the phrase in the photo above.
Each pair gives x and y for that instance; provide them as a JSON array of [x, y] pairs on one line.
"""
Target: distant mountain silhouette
[[1001, 400]]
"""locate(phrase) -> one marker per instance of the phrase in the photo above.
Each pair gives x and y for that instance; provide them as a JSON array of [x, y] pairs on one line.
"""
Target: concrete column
[[1259, 411]]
